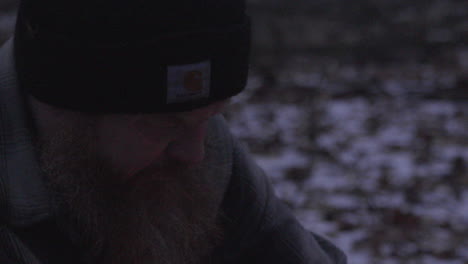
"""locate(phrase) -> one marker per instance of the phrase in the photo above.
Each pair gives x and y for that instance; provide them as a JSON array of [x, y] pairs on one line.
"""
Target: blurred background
[[358, 112]]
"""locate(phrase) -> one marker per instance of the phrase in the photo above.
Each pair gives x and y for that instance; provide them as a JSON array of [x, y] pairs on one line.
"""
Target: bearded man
[[112, 146]]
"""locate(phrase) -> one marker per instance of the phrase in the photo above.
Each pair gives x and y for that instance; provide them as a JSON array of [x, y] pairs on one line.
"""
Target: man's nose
[[188, 148]]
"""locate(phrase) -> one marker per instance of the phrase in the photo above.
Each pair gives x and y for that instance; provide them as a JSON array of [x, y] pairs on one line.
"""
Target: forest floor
[[386, 179], [375, 158], [364, 132]]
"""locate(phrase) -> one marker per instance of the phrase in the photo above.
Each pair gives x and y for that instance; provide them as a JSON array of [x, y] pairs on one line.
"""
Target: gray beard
[[163, 215]]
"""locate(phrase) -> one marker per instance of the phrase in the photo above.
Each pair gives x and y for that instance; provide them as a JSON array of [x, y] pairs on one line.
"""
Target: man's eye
[[150, 123]]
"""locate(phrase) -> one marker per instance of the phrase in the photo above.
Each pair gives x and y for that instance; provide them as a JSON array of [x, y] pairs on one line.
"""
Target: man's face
[[124, 182], [131, 143]]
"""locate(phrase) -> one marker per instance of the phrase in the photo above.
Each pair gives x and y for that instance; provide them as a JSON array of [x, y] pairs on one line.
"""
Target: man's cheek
[[127, 150]]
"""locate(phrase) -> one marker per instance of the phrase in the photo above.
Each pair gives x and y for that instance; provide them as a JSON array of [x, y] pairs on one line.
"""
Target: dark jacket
[[260, 229]]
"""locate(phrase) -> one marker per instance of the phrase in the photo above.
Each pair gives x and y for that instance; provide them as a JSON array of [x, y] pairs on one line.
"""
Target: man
[[112, 146]]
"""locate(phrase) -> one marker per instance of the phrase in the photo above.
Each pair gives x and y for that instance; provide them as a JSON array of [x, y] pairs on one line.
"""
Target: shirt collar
[[24, 199]]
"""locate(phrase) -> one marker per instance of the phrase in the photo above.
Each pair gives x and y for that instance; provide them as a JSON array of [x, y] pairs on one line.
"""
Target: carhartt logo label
[[188, 82], [193, 81]]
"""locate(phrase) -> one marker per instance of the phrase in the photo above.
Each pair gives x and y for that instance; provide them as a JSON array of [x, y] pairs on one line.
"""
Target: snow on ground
[[385, 178]]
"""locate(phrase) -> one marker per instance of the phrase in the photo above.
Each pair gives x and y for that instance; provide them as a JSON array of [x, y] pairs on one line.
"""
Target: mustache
[[160, 170]]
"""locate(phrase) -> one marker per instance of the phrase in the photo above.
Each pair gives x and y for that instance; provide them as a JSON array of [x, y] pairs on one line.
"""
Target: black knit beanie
[[132, 56]]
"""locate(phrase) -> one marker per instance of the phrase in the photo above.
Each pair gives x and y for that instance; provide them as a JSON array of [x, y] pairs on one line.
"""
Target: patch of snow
[[288, 119], [396, 135], [437, 108], [342, 201], [290, 192], [346, 241], [448, 152], [388, 200], [328, 177], [313, 220], [276, 165], [402, 167], [347, 116], [393, 87], [431, 170], [456, 127]]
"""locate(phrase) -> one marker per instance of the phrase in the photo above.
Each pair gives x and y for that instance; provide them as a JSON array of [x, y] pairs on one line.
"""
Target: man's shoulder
[[261, 229]]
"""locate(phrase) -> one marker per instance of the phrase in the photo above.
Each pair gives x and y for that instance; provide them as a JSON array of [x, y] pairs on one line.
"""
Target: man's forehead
[[48, 113]]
